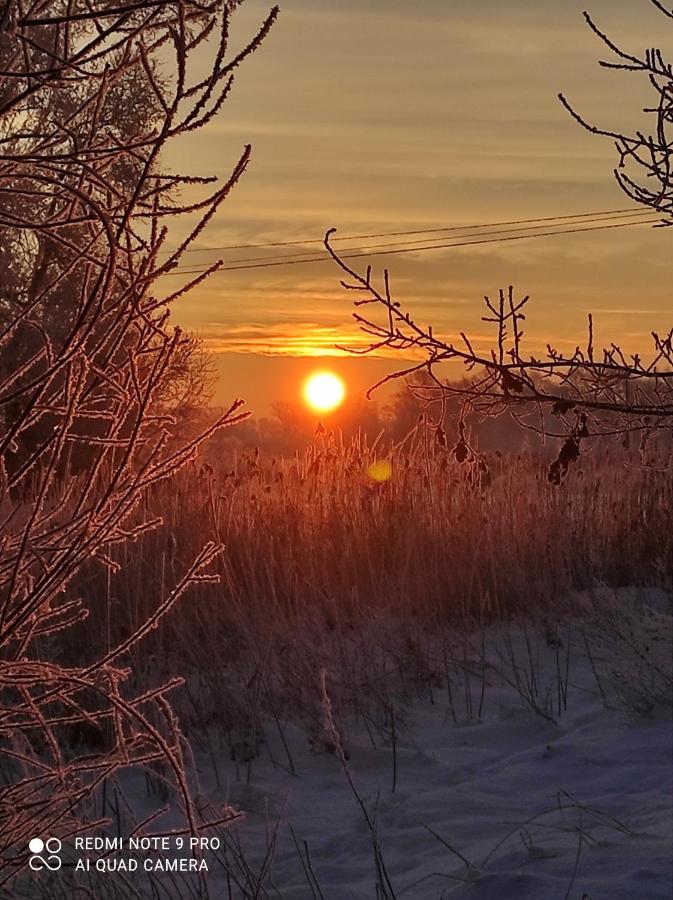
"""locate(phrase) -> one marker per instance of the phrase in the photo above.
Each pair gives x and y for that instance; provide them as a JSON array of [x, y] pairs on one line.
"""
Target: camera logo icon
[[45, 854]]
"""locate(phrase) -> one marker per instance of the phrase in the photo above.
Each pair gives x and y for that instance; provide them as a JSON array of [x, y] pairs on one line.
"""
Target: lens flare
[[324, 391], [380, 470]]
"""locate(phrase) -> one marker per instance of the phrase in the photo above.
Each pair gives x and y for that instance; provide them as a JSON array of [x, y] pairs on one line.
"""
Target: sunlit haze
[[385, 117], [324, 391]]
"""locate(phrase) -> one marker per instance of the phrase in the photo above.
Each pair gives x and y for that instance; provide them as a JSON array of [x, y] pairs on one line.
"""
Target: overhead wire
[[529, 228], [438, 230], [480, 238]]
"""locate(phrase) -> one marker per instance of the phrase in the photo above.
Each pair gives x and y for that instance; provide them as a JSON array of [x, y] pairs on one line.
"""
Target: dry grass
[[437, 583], [325, 568]]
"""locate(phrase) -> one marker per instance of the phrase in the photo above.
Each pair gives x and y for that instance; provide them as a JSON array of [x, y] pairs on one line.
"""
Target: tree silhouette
[[645, 167], [589, 392], [90, 95]]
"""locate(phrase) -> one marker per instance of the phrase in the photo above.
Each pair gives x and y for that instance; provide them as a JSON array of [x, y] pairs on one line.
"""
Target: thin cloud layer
[[396, 117]]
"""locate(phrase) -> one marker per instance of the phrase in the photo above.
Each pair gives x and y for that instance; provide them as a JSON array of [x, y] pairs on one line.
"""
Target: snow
[[517, 795]]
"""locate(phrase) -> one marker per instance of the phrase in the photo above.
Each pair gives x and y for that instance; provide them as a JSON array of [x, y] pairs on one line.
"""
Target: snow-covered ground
[[576, 809], [538, 776]]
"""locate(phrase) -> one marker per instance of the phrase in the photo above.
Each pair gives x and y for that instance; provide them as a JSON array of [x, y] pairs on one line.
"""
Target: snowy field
[[545, 772], [522, 807]]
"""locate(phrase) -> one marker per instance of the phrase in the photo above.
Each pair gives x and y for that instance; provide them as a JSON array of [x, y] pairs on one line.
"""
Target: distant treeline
[[291, 427]]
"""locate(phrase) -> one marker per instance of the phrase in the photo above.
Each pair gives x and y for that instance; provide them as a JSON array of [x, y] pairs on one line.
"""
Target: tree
[[87, 104], [591, 391], [34, 260], [649, 157]]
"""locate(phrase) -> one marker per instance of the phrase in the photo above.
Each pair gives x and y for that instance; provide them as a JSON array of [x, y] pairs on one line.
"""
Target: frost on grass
[[632, 638]]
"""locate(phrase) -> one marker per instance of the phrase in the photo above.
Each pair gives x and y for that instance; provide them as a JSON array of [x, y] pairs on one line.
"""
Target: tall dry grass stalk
[[324, 567]]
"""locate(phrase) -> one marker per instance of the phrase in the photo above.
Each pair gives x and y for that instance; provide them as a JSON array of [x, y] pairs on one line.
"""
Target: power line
[[444, 246], [351, 254], [529, 228], [450, 228]]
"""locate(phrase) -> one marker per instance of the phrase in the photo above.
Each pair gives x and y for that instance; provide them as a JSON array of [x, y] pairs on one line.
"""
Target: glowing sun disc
[[324, 391]]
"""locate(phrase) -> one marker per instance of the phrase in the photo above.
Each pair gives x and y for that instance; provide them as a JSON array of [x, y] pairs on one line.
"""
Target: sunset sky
[[387, 116]]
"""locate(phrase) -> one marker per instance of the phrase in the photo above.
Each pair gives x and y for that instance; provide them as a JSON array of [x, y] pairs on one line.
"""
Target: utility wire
[[299, 260], [450, 228], [529, 228]]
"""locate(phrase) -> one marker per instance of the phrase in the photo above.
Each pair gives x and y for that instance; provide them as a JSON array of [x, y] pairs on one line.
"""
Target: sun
[[324, 391]]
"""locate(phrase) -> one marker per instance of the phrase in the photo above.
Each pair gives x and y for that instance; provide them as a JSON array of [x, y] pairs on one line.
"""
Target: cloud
[[390, 115], [281, 339]]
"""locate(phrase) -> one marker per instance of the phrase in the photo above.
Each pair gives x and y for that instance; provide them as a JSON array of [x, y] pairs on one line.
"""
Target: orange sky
[[384, 116]]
